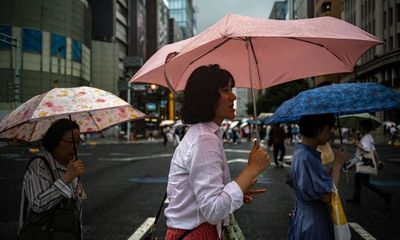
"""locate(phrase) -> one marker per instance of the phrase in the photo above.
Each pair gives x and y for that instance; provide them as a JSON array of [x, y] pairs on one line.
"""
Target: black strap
[[45, 162], [159, 211], [181, 237], [156, 220]]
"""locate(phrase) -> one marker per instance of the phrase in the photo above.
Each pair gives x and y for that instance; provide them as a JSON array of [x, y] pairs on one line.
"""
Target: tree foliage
[[276, 95]]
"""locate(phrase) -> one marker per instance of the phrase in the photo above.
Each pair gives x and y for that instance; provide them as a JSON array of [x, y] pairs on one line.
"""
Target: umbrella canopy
[[261, 52], [388, 123], [166, 123], [93, 109], [340, 99], [353, 120]]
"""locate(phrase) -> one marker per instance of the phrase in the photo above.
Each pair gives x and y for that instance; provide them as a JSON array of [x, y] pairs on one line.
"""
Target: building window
[[76, 51], [390, 43], [390, 16], [384, 19], [398, 40], [32, 40], [7, 31], [398, 12], [58, 45]]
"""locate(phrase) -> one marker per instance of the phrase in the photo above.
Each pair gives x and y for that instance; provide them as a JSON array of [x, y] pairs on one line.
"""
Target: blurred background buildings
[[102, 43]]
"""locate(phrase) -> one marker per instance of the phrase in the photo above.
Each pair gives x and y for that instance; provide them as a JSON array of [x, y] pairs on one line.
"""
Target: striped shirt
[[40, 190]]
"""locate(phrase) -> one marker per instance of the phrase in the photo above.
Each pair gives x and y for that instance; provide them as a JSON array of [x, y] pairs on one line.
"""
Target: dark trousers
[[279, 148], [361, 178]]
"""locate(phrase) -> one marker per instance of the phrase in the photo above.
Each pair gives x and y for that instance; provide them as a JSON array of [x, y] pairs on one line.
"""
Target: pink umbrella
[[260, 52], [93, 109]]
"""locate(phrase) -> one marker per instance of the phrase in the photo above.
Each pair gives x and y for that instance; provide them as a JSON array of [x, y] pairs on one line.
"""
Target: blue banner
[[58, 45], [32, 40], [7, 31]]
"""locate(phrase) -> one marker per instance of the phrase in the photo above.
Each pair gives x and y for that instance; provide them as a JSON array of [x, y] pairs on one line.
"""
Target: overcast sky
[[211, 11]]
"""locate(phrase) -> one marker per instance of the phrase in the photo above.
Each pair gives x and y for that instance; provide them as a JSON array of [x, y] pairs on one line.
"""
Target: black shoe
[[388, 199], [353, 200]]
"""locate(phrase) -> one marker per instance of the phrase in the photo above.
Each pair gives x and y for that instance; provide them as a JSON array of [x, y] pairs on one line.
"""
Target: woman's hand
[[75, 168], [340, 156], [248, 196], [258, 161]]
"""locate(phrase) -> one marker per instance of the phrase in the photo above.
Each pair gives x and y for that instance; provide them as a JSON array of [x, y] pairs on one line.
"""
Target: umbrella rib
[[33, 130], [196, 59], [320, 45], [94, 121], [211, 50], [256, 60]]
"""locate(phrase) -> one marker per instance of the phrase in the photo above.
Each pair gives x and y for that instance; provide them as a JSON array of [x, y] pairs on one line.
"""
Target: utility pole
[[128, 98], [15, 88]]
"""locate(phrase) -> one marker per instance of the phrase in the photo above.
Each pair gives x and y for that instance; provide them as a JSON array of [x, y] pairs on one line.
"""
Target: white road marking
[[393, 160], [361, 231], [119, 154], [21, 159], [240, 160], [136, 158], [237, 150], [142, 230], [84, 154], [9, 155], [243, 160]]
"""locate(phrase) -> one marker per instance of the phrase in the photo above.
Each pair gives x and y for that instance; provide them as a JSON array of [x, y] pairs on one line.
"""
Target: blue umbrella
[[340, 99]]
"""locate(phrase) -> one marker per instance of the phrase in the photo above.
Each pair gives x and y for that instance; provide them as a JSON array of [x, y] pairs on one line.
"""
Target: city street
[[125, 184]]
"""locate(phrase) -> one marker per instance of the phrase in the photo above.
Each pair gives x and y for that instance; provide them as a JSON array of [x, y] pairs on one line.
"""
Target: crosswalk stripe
[[143, 229], [361, 231], [136, 158]]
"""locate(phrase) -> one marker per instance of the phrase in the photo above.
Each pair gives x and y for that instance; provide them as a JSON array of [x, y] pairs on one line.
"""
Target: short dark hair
[[366, 124], [201, 94], [311, 125], [56, 132]]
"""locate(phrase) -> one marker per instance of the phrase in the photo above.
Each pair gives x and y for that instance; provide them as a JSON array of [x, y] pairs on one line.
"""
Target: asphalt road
[[125, 184]]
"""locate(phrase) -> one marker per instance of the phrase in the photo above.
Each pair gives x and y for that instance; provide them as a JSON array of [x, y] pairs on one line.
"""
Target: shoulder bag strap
[[158, 216]]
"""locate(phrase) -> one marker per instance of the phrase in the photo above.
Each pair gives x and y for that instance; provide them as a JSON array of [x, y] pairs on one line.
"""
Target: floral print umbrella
[[93, 109]]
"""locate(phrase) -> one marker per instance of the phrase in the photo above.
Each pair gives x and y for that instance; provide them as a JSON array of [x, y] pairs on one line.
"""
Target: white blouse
[[367, 143], [199, 183]]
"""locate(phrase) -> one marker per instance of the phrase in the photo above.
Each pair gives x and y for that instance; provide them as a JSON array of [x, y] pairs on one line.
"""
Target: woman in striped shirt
[[44, 190]]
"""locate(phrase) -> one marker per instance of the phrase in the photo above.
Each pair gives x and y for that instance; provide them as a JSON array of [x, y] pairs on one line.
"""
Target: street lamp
[[15, 43]]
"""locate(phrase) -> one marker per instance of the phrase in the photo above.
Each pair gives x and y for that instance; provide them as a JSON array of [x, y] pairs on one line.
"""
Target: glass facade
[[182, 12]]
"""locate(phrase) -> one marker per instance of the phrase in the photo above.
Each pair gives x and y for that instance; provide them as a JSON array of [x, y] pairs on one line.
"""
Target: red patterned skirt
[[204, 231]]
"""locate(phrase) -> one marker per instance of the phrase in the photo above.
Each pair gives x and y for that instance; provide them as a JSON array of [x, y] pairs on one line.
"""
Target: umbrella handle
[[73, 139], [340, 132]]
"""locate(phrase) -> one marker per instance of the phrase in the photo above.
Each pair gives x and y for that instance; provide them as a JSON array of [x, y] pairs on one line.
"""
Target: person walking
[[276, 139], [52, 182], [200, 191], [366, 145], [313, 185]]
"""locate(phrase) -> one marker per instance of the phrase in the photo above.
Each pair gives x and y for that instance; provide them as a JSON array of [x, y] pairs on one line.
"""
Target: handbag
[[340, 225], [367, 164], [61, 222], [232, 231]]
